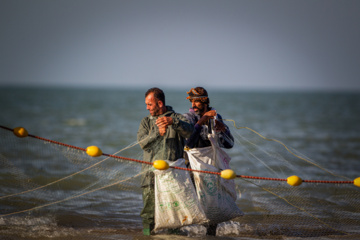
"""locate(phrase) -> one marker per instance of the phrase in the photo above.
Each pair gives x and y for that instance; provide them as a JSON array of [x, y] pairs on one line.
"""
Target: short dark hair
[[158, 94]]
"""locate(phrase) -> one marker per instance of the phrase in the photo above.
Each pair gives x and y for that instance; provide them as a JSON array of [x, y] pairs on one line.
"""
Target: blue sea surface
[[321, 127]]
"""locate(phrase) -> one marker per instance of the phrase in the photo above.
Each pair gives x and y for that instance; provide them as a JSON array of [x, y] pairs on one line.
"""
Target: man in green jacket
[[162, 136]]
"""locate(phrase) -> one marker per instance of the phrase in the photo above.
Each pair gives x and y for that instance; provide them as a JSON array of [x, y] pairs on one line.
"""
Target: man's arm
[[182, 125], [226, 139], [194, 138], [146, 135]]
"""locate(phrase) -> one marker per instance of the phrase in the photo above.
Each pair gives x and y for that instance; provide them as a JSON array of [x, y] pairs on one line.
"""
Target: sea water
[[324, 126]]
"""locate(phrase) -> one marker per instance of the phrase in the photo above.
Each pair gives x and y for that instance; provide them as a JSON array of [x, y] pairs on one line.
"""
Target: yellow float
[[161, 165], [93, 151], [357, 182], [228, 174], [294, 180], [20, 132]]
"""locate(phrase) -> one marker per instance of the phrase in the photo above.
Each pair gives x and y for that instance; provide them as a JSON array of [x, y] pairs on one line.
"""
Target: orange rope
[[180, 168]]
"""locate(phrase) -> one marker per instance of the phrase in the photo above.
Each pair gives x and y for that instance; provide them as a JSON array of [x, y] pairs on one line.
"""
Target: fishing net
[[54, 190]]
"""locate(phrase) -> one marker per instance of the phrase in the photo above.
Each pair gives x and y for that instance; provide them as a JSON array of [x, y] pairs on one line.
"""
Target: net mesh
[[54, 190]]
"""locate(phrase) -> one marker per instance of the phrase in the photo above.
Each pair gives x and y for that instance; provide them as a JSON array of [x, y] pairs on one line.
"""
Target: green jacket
[[167, 147]]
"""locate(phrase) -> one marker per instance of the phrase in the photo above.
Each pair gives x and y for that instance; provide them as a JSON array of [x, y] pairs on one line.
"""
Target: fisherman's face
[[199, 107], [152, 104]]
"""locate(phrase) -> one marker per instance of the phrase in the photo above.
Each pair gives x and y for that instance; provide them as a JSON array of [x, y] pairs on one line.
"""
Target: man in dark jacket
[[199, 115], [161, 135]]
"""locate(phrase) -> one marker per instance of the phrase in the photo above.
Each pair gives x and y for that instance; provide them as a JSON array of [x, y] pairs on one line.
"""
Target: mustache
[[196, 109]]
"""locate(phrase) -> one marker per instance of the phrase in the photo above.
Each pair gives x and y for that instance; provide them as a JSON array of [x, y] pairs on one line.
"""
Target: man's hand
[[208, 115], [163, 123], [162, 130]]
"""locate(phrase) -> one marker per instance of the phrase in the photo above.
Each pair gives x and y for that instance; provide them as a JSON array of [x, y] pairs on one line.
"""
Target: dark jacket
[[199, 137], [167, 147]]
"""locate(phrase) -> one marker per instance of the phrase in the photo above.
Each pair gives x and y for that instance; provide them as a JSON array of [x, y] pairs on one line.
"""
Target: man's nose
[[192, 104]]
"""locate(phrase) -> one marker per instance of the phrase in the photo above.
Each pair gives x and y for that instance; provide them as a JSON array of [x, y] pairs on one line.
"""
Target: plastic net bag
[[176, 202], [217, 195]]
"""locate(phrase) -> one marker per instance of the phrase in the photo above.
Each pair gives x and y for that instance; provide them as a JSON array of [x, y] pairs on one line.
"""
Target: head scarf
[[194, 95]]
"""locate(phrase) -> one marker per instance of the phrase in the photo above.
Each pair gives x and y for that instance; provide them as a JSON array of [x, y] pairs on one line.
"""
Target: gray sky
[[267, 44]]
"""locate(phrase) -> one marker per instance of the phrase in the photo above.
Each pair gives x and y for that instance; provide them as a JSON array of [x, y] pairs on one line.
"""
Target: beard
[[199, 110], [155, 111]]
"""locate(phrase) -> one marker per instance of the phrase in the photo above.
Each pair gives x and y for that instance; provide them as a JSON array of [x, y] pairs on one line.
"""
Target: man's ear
[[160, 104]]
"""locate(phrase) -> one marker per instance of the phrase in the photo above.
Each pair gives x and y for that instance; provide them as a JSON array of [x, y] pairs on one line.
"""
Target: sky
[[225, 44]]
